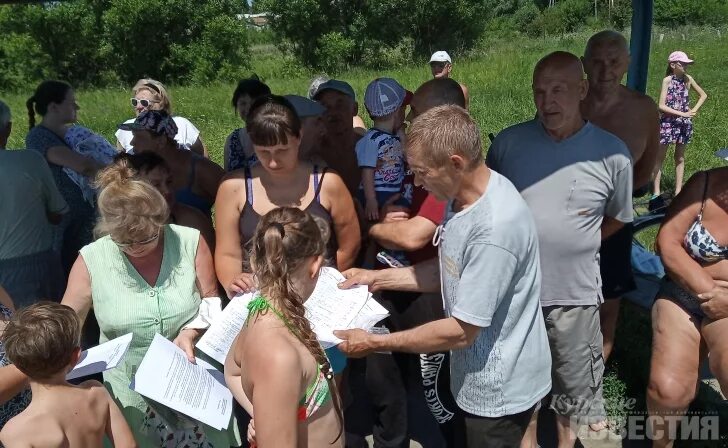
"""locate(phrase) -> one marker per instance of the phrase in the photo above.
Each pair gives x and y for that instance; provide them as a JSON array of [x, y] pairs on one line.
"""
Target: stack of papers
[[329, 308], [166, 376], [101, 358]]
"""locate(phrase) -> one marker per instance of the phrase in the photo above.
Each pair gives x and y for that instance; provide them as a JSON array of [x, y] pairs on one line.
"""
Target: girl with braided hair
[[276, 361]]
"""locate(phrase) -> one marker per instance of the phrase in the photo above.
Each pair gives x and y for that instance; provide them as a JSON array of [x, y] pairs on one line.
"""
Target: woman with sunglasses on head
[[149, 94], [144, 276], [55, 101], [194, 178]]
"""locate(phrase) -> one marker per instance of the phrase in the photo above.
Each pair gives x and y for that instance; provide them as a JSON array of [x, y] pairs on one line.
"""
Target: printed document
[[219, 338], [196, 390]]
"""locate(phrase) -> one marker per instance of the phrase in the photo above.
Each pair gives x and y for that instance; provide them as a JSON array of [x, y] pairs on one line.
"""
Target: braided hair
[[284, 239]]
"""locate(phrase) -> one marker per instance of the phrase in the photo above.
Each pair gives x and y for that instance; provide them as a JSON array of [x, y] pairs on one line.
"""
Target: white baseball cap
[[440, 56]]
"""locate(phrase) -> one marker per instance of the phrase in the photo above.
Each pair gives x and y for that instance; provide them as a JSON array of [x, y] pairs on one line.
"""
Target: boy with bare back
[[43, 341]]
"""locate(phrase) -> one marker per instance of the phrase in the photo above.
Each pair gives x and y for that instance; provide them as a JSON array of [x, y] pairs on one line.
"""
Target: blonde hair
[[284, 239], [444, 131], [40, 339], [130, 209], [157, 90]]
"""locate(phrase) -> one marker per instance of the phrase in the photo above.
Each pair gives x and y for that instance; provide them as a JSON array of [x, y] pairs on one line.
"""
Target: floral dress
[[237, 151], [674, 129], [17, 404]]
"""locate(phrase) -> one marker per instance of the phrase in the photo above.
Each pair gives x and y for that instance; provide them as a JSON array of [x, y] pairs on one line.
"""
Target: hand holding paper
[[101, 358], [196, 390], [218, 339], [356, 343], [329, 308]]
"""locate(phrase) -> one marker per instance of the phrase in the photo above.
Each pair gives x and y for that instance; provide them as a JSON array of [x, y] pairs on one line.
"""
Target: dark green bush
[[98, 42], [63, 38], [177, 40], [567, 16], [684, 12], [334, 51]]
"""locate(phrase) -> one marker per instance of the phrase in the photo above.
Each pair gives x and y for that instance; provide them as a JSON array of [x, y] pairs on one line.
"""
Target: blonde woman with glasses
[[144, 276], [149, 94]]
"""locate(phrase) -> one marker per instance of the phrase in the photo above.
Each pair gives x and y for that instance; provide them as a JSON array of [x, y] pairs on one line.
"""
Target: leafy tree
[[98, 42], [335, 33]]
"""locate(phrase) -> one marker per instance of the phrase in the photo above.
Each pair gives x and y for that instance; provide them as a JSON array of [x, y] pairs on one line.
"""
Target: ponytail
[[30, 104], [46, 93], [284, 239]]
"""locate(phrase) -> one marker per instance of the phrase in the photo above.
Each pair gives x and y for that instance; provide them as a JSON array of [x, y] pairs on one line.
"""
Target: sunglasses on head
[[144, 103]]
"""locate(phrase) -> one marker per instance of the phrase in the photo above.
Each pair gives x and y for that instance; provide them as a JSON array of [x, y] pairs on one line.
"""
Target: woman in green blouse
[[145, 277]]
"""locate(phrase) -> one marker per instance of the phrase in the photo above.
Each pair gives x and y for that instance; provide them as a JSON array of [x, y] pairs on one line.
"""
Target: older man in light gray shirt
[[577, 180]]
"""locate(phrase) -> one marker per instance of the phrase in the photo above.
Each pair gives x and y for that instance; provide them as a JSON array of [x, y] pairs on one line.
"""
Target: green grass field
[[497, 72]]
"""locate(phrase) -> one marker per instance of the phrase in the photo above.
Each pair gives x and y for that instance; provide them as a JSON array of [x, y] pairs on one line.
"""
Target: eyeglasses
[[144, 103], [136, 243]]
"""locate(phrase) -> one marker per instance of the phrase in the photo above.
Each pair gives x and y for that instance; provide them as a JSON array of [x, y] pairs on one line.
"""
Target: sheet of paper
[[101, 358], [166, 376], [330, 308], [370, 315], [219, 338]]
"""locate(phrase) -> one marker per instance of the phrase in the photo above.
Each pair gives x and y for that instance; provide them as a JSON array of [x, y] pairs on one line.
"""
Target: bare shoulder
[[96, 393], [233, 181], [15, 430], [332, 182], [22, 431], [638, 99], [266, 350], [95, 388], [464, 88]]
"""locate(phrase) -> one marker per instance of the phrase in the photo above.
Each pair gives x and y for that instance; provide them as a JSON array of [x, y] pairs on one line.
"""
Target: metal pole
[[639, 45]]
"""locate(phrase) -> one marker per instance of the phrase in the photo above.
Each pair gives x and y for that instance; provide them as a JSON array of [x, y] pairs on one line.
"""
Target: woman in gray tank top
[[279, 180]]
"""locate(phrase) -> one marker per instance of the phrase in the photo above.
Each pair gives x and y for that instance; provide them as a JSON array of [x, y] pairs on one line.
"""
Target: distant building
[[258, 21]]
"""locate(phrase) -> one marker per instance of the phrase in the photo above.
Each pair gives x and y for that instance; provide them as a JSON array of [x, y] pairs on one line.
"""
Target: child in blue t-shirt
[[380, 151]]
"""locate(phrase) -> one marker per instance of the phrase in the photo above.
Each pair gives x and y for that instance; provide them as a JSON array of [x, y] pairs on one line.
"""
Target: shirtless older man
[[634, 118]]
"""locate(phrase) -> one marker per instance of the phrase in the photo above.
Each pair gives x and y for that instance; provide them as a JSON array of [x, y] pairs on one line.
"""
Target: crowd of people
[[501, 268]]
